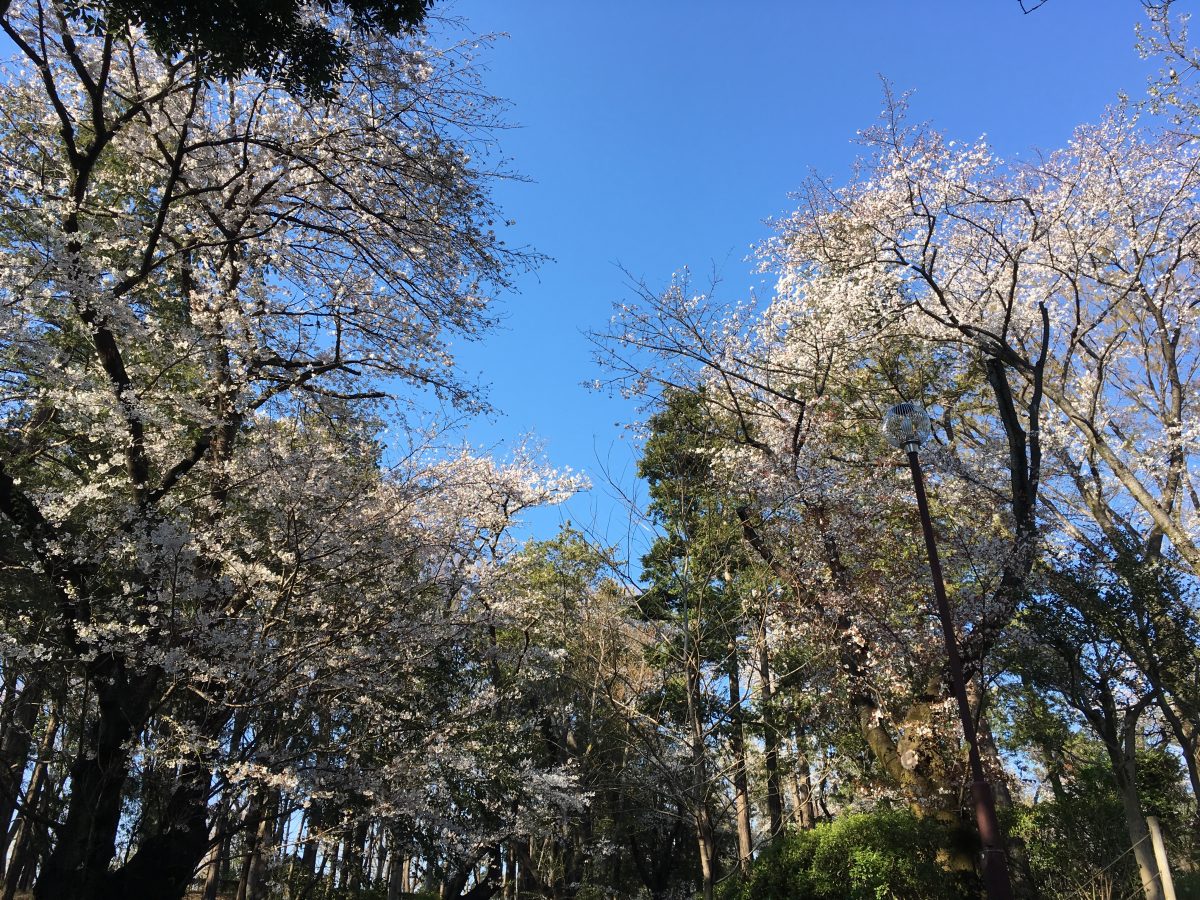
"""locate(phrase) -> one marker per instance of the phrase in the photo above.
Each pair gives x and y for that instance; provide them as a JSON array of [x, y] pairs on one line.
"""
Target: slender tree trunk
[[707, 843], [379, 849], [259, 861], [311, 841], [698, 793], [23, 832], [397, 882], [253, 827], [8, 704], [701, 817], [529, 882], [333, 861], [216, 864], [219, 839], [737, 740], [308, 856], [359, 859], [806, 812], [21, 716], [770, 736], [39, 834]]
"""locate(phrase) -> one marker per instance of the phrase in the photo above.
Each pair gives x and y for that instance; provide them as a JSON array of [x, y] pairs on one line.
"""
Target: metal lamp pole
[[906, 426]]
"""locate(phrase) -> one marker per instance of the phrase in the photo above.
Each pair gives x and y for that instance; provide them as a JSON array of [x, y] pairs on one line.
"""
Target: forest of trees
[[268, 628]]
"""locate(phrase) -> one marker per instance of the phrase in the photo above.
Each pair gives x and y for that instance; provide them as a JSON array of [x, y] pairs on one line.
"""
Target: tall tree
[[213, 299], [699, 577]]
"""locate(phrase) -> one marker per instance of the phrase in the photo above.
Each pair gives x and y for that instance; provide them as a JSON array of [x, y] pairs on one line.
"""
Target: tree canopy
[[268, 625], [302, 45]]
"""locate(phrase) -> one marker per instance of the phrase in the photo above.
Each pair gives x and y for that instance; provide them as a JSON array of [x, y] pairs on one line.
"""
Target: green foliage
[[276, 39], [700, 548], [1187, 885], [888, 854], [1075, 841], [1079, 838]]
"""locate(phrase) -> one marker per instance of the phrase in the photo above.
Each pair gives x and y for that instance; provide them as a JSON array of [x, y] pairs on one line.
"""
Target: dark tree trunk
[[20, 718], [312, 830], [24, 832], [216, 868], [260, 826], [78, 867], [167, 860], [706, 841], [219, 838], [357, 857], [484, 888], [397, 872]]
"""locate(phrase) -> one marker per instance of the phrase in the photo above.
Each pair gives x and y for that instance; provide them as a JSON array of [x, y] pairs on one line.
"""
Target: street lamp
[[906, 427]]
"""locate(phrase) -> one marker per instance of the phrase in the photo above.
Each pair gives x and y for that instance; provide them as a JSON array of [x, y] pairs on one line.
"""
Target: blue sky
[[662, 134]]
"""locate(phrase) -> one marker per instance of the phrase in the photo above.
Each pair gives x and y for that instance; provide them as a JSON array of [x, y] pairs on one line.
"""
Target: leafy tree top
[[300, 45]]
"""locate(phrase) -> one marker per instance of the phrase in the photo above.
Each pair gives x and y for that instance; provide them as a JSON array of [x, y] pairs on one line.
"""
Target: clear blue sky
[[663, 133]]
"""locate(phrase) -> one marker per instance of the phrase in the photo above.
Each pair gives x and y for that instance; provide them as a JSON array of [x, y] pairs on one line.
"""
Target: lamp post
[[906, 426]]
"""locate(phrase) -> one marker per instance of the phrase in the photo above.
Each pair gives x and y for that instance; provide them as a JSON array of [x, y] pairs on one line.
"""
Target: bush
[[888, 854], [1187, 885], [1079, 841]]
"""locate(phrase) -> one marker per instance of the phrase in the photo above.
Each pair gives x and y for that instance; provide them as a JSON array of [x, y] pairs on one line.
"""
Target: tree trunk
[[485, 887], [397, 879], [700, 787], [216, 865], [379, 849], [356, 856], [770, 736], [14, 751], [806, 813], [22, 860], [39, 834], [313, 823], [1124, 771], [219, 841], [168, 860], [332, 859], [707, 844], [78, 867], [701, 817], [737, 740], [259, 860]]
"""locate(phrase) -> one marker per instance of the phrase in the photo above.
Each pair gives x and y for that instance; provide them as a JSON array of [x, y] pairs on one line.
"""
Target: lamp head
[[906, 426]]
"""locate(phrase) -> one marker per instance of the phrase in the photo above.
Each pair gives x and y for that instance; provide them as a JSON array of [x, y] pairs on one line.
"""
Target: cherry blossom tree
[[1044, 310], [803, 412], [216, 298]]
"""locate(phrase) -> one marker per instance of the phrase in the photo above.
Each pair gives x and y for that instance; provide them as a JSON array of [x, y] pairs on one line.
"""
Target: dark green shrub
[[1079, 842], [1187, 885], [887, 854]]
